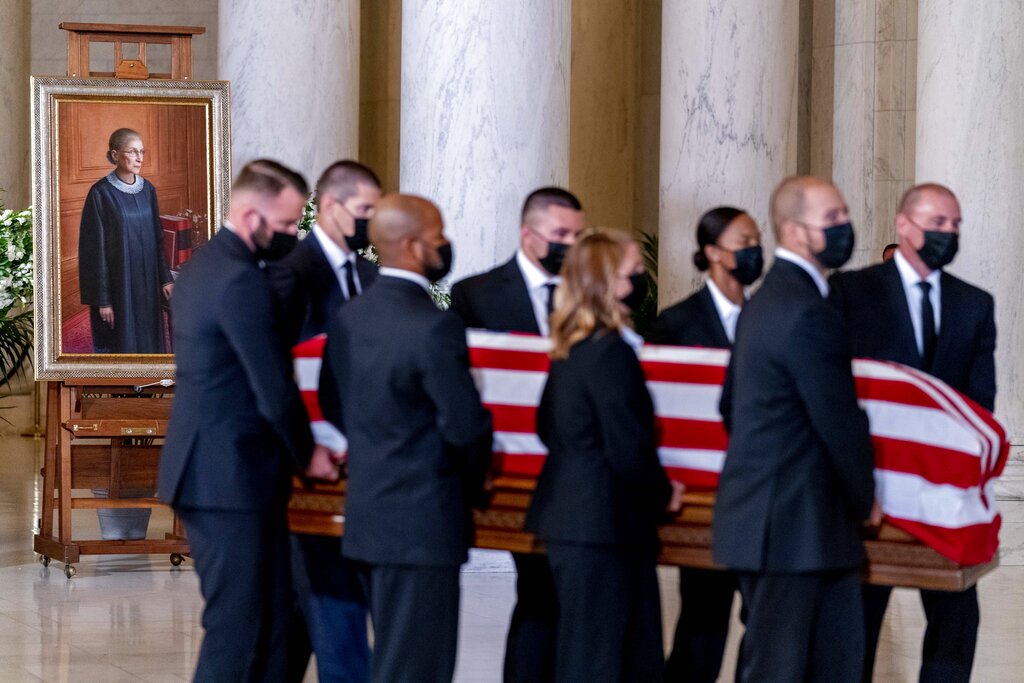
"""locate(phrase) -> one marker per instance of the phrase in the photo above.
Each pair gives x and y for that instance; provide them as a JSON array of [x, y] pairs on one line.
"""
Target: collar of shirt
[[535, 277], [336, 256], [728, 312], [910, 280], [403, 274], [631, 337], [819, 279]]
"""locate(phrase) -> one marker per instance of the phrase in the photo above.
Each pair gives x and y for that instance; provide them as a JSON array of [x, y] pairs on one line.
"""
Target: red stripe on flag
[[679, 433], [311, 399], [521, 419], [521, 463], [893, 391], [933, 463], [503, 359], [964, 545], [684, 373], [311, 348]]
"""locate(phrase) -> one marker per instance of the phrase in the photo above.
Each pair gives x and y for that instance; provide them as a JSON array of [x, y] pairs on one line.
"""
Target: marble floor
[[135, 618]]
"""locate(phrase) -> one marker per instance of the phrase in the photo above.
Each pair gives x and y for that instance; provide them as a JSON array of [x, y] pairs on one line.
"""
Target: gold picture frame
[[185, 129]]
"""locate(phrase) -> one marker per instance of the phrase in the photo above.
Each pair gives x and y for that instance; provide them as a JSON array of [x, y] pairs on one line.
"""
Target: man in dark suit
[[517, 297], [910, 311], [323, 272], [399, 387], [798, 477], [238, 429]]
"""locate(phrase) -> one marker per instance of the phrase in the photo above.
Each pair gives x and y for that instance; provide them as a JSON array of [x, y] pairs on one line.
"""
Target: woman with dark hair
[[729, 251], [602, 491], [122, 270]]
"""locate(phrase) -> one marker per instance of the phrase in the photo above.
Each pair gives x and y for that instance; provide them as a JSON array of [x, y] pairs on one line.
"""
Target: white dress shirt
[[537, 280], [728, 312], [407, 275], [337, 258], [914, 295], [819, 279]]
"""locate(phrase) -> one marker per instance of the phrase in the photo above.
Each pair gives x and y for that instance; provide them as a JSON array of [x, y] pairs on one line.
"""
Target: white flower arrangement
[[15, 290]]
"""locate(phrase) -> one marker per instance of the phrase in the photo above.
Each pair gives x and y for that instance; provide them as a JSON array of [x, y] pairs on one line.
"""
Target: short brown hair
[[913, 195], [540, 199], [342, 178], [268, 178], [585, 300]]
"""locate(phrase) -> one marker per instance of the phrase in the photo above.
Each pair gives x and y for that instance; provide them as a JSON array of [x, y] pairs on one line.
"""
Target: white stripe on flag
[[519, 443], [686, 401], [686, 356], [510, 387], [692, 458], [922, 425], [307, 373], [915, 499], [502, 341]]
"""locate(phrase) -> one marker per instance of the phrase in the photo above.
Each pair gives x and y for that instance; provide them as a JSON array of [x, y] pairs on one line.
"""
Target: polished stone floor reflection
[[135, 618]]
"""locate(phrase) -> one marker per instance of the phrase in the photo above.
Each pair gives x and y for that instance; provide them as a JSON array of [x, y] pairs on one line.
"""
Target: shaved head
[[399, 220], [789, 200], [915, 194]]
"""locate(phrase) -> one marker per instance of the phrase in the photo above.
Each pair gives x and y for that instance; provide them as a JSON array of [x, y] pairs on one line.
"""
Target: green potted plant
[[15, 291]]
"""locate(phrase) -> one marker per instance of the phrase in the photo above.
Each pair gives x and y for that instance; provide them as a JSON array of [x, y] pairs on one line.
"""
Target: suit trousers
[[330, 614], [949, 639], [705, 600], [530, 647], [415, 614], [242, 561], [802, 627], [609, 624]]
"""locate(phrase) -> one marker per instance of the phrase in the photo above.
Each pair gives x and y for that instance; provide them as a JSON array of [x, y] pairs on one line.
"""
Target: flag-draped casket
[[937, 455]]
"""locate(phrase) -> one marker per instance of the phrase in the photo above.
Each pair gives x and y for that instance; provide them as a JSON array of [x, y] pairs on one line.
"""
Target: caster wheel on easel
[[176, 559], [44, 560], [69, 570]]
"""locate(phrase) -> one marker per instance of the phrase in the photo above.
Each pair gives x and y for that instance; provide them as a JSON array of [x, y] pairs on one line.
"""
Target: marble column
[[728, 119], [484, 115], [15, 170], [970, 136], [294, 72]]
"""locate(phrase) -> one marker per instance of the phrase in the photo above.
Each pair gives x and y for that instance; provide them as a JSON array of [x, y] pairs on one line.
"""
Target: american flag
[[937, 453]]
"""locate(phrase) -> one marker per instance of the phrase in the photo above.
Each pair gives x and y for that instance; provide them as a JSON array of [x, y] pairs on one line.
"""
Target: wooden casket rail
[[894, 557]]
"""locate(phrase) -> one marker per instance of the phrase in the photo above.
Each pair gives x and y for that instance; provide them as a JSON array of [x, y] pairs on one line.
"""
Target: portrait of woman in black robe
[[123, 273]]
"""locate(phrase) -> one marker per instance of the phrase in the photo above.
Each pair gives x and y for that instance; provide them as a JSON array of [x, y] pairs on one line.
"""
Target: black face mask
[[555, 257], [635, 299], [749, 264], [838, 245], [435, 273], [281, 244], [939, 248], [361, 238]]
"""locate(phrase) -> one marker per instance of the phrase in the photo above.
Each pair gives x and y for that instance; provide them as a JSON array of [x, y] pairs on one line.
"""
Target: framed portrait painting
[[130, 179]]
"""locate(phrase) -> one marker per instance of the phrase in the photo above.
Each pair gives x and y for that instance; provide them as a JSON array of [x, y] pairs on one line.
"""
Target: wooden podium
[[101, 434]]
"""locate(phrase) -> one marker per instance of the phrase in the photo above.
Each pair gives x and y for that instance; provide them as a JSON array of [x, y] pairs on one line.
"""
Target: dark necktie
[[551, 296], [350, 280], [928, 336]]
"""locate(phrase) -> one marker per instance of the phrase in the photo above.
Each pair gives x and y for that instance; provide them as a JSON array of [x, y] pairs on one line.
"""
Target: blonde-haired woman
[[602, 491]]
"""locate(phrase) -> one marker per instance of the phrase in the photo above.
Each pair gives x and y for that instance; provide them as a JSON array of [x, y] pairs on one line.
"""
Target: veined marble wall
[[380, 80], [728, 119], [970, 137], [863, 110], [49, 43], [15, 178], [302, 110], [485, 115]]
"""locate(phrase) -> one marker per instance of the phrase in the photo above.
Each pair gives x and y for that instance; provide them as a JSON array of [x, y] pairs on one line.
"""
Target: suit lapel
[[949, 301], [714, 321], [902, 327], [520, 304], [323, 275]]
